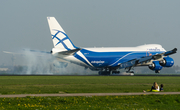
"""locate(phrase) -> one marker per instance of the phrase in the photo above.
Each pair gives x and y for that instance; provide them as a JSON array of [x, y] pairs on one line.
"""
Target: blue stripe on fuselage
[[81, 59], [110, 59]]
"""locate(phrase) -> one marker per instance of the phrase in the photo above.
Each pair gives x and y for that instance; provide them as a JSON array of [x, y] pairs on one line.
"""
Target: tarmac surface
[[86, 94]]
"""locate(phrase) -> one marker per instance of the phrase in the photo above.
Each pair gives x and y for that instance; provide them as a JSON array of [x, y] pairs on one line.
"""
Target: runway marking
[[86, 94]]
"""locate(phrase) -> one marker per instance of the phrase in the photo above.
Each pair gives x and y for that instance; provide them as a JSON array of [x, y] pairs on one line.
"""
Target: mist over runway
[[30, 62]]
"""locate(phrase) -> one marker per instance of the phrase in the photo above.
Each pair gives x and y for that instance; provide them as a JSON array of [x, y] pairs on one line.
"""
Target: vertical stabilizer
[[59, 37]]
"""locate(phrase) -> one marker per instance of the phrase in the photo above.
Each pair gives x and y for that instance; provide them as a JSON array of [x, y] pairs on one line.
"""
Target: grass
[[88, 84], [142, 102], [84, 84]]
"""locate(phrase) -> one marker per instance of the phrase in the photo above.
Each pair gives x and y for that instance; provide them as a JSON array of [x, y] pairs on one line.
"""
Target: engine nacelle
[[167, 62], [155, 66]]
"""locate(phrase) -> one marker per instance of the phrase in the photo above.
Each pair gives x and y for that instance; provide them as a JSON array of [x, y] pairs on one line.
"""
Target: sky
[[89, 23]]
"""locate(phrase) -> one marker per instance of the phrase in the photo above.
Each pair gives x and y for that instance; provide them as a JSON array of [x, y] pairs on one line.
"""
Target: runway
[[86, 94]]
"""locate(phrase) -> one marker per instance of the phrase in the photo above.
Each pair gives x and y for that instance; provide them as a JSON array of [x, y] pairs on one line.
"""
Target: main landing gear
[[157, 71], [108, 72], [104, 72], [129, 70], [113, 71]]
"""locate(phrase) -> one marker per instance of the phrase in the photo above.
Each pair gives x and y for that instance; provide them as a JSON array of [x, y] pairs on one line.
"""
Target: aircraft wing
[[135, 62]]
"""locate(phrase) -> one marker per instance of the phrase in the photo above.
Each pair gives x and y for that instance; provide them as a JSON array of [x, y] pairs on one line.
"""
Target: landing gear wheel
[[129, 71], [115, 72], [99, 72], [104, 72], [157, 71]]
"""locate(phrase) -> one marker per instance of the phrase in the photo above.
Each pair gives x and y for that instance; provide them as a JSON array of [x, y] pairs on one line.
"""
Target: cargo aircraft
[[108, 60]]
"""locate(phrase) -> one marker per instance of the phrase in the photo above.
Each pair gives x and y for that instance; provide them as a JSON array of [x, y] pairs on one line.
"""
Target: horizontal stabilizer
[[37, 51], [25, 51], [12, 53], [70, 52]]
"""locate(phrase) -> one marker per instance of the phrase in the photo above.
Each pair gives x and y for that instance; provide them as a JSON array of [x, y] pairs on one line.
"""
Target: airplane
[[108, 60]]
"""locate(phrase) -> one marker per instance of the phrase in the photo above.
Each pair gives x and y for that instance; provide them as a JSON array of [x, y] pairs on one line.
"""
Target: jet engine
[[167, 62], [155, 66]]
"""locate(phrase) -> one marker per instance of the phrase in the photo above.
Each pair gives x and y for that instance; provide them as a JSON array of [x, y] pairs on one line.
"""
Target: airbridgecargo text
[[97, 62], [155, 49]]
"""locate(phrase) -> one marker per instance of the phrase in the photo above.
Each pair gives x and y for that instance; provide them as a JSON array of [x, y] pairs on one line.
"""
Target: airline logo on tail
[[59, 37], [61, 41]]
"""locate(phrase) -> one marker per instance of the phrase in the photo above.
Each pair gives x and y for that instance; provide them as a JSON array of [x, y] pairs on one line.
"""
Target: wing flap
[[128, 64], [144, 59]]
